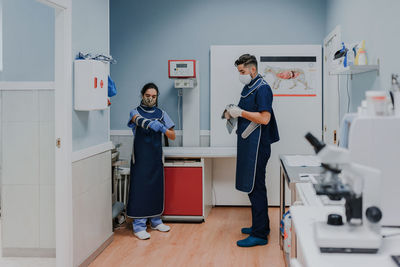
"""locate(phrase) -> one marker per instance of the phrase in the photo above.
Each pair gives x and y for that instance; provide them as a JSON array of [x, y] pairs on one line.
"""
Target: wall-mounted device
[[185, 83], [182, 69], [184, 73], [90, 85]]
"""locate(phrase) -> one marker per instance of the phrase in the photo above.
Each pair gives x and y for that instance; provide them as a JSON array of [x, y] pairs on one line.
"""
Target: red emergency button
[[95, 82], [101, 83]]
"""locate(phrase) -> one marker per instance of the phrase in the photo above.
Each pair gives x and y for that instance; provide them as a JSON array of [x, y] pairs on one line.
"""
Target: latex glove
[[235, 111], [157, 126], [226, 115]]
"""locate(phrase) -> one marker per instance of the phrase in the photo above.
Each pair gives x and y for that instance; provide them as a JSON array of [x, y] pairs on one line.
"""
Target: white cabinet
[[90, 85]]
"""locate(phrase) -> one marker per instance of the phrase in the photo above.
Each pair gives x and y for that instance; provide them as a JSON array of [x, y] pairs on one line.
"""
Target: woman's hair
[[150, 86]]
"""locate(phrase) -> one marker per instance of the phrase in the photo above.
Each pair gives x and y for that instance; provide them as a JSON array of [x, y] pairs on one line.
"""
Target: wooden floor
[[212, 243]]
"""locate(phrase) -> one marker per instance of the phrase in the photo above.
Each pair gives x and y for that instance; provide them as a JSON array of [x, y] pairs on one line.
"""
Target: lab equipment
[[377, 103], [373, 141], [185, 75], [90, 85], [185, 83], [396, 259], [182, 68], [360, 187]]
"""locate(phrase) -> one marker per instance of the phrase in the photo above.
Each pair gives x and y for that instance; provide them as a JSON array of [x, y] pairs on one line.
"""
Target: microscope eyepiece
[[318, 145]]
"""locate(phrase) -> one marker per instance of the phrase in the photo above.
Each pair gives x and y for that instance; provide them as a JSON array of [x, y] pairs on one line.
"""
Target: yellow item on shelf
[[361, 57]]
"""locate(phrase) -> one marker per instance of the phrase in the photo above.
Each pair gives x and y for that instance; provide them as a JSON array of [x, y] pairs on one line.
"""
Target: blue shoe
[[246, 230], [252, 241]]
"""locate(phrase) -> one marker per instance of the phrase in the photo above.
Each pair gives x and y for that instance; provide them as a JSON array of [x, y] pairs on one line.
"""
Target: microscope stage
[[346, 238]]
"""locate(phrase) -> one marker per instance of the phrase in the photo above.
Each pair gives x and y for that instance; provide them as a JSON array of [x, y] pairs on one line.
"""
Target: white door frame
[[330, 131], [63, 130]]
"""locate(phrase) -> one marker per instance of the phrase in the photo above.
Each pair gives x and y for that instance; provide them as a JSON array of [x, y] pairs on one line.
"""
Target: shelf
[[355, 70]]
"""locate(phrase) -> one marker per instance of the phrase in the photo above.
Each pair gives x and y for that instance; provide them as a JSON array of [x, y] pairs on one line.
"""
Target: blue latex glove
[[157, 126]]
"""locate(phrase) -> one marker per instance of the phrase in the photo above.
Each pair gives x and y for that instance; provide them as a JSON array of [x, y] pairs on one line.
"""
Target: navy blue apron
[[146, 190], [247, 149]]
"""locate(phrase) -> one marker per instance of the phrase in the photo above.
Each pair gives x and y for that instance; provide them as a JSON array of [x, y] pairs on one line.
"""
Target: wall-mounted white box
[[90, 85]]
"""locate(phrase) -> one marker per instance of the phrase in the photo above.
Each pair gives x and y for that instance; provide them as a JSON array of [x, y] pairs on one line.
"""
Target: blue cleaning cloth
[[112, 89]]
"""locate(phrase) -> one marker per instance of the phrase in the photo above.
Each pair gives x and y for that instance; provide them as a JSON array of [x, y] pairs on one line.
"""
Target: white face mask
[[245, 78]]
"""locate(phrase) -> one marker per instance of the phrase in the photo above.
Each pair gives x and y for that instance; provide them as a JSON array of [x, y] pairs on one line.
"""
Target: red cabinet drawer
[[183, 191]]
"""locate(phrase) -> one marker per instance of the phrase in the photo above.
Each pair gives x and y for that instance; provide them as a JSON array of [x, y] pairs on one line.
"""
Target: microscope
[[360, 186]]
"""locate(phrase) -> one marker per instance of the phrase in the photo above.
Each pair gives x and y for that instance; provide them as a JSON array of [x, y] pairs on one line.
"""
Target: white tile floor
[[25, 262]]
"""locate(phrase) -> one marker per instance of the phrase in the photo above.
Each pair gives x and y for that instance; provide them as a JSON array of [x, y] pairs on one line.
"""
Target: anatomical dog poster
[[290, 75]]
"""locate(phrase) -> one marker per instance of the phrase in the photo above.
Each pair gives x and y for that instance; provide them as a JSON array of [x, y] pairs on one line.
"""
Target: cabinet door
[[183, 191]]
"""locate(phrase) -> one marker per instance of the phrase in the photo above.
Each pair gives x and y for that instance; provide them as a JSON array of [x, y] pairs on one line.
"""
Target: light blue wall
[[28, 41], [90, 33], [28, 52], [378, 23], [145, 34]]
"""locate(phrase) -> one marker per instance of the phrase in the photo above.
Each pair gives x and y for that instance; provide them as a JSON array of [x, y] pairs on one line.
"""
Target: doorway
[[36, 139]]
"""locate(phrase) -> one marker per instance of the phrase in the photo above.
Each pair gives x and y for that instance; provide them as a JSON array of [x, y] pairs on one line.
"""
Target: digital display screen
[[181, 65]]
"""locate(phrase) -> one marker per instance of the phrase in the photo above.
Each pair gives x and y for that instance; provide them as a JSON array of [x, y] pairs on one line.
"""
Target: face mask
[[245, 78], [149, 101]]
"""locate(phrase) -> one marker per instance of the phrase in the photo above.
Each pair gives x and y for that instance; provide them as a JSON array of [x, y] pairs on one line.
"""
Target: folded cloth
[[230, 122]]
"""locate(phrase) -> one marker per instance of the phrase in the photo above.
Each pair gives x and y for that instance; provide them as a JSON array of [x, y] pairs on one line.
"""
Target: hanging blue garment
[[146, 195], [255, 97], [112, 89]]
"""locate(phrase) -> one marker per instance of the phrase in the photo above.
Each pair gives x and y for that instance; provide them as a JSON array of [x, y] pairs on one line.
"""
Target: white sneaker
[[162, 227], [142, 235]]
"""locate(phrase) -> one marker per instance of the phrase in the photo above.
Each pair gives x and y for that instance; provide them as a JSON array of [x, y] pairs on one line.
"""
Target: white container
[[362, 59], [396, 100], [90, 85], [377, 104], [362, 110]]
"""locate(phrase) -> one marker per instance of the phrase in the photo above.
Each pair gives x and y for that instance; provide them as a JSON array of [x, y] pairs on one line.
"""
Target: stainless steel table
[[291, 174]]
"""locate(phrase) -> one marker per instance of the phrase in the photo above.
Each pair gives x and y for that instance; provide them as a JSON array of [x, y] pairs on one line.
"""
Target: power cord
[[180, 94], [390, 235], [348, 95], [338, 92]]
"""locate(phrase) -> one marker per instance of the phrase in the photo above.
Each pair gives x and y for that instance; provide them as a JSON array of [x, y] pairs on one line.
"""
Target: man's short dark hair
[[246, 60]]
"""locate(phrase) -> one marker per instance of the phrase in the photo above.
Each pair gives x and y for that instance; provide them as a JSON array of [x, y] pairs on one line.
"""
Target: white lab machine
[[360, 186], [186, 80], [90, 85], [374, 141]]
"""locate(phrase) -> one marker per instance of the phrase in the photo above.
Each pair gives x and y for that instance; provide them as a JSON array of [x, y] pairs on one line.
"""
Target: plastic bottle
[[350, 57], [361, 57]]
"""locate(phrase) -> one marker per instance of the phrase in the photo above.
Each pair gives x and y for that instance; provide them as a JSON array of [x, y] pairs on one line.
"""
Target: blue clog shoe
[[247, 231], [252, 241]]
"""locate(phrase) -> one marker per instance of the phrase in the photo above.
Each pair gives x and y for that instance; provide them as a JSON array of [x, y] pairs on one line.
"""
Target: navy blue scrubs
[[254, 151]]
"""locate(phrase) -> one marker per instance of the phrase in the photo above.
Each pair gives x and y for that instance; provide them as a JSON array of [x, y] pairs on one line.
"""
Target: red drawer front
[[183, 191]]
